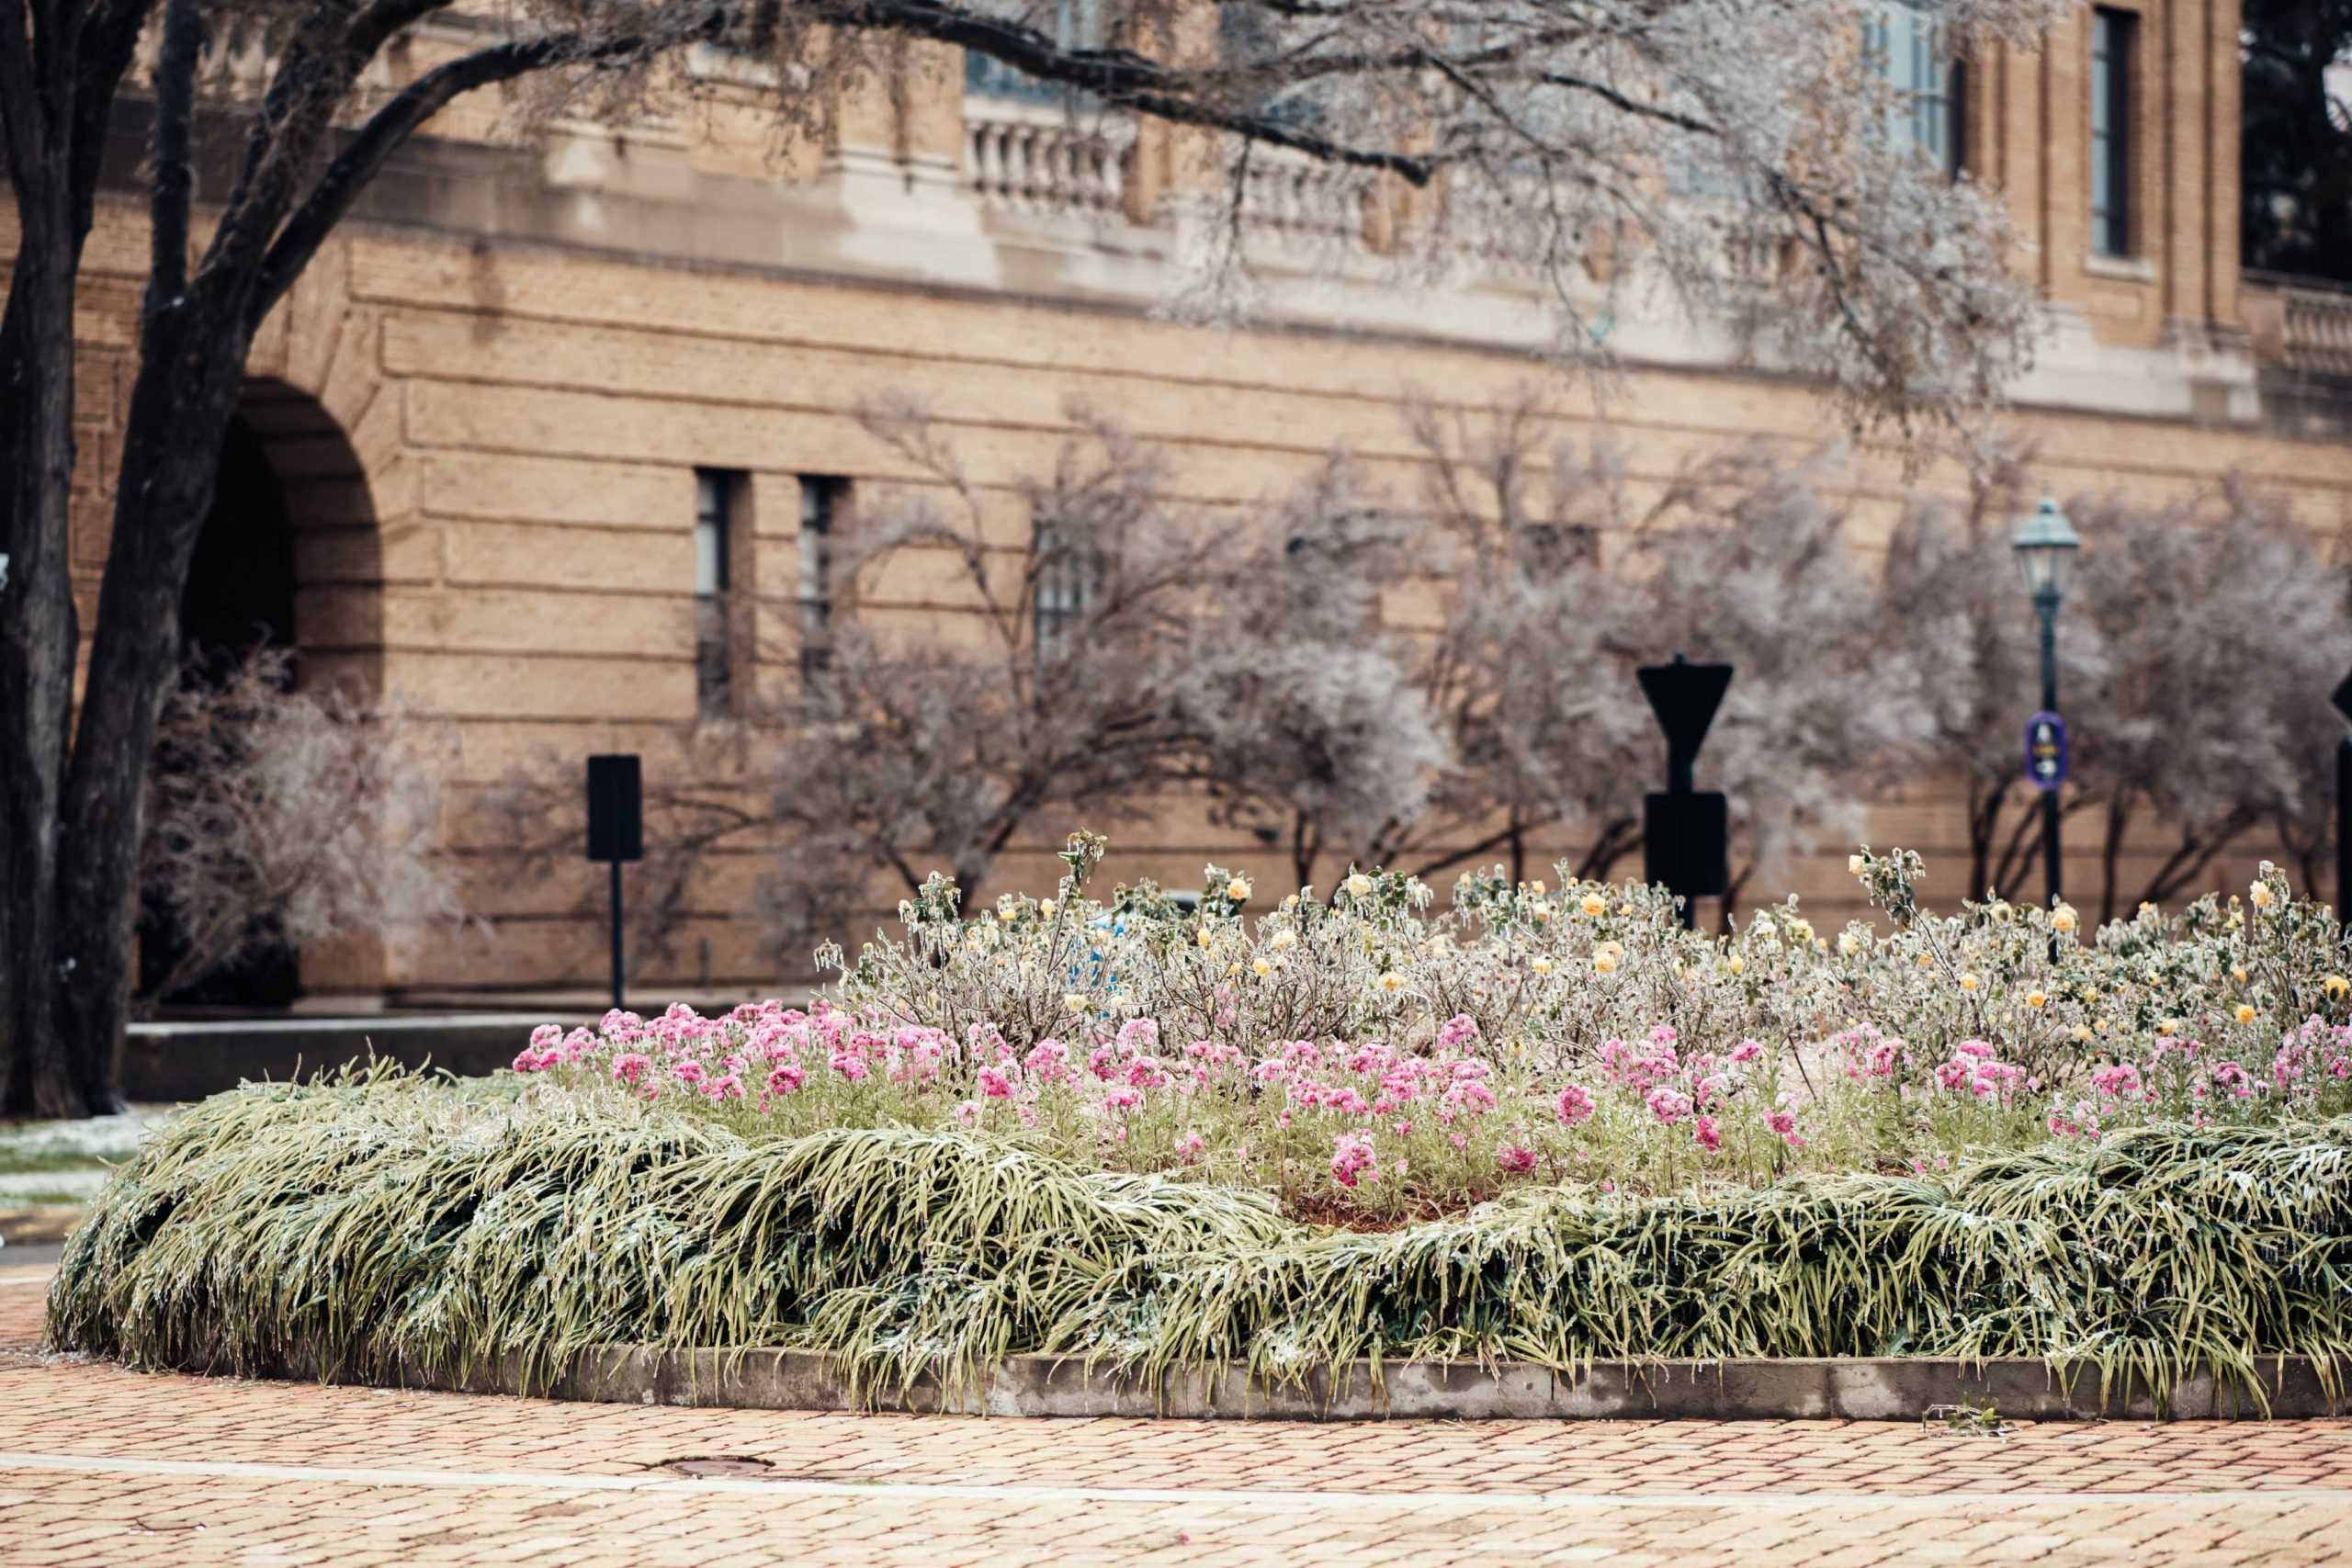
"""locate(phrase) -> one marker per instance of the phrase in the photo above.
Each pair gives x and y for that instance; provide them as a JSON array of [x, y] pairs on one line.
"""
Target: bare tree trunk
[[2119, 818], [192, 354], [37, 647]]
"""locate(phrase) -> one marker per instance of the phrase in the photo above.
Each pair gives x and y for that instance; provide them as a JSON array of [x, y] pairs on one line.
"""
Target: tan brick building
[[489, 418]]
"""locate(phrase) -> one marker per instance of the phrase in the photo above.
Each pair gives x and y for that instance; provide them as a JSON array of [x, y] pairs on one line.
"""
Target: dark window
[[1069, 584], [715, 494], [1071, 24], [822, 498], [2111, 49]]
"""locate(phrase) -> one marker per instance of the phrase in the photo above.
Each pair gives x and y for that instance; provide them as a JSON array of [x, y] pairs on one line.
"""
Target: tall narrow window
[[1069, 572], [823, 498], [2111, 49], [1907, 47], [716, 492]]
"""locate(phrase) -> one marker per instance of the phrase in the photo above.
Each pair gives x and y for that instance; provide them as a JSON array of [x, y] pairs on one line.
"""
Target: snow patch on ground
[[51, 1186], [97, 1137]]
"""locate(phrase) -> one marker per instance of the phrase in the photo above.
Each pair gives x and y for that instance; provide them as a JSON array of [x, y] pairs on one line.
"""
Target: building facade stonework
[[497, 405]]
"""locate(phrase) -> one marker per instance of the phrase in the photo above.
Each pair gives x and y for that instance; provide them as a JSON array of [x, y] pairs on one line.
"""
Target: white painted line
[[8, 1279], [1408, 1502]]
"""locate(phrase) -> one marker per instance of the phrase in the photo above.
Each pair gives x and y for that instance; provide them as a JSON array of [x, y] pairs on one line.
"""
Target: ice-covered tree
[[1728, 158]]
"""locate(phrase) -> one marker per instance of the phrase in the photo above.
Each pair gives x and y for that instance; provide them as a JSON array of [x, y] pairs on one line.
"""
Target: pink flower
[[1703, 1130], [1747, 1051], [994, 1084], [1351, 1159], [968, 1112], [1667, 1104], [786, 1076], [630, 1065], [1574, 1106], [1517, 1160], [1458, 1031], [1190, 1145], [1047, 1062]]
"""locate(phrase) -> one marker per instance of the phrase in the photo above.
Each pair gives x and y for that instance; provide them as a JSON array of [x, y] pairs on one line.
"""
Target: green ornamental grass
[[383, 1225]]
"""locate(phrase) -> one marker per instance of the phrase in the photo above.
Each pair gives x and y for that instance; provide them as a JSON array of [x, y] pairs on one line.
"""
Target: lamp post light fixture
[[2045, 546]]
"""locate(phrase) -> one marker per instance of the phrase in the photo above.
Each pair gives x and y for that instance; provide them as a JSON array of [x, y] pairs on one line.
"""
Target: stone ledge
[[1881, 1389]]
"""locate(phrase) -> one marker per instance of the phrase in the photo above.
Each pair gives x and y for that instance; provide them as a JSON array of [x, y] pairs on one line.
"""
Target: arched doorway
[[291, 522]]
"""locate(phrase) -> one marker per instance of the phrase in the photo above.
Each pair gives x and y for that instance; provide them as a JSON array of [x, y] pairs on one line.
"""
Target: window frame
[[1067, 584], [824, 500], [2110, 149], [718, 500]]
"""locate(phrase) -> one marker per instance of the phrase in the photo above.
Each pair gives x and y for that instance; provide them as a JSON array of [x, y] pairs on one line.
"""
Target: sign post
[[616, 830], [1686, 834]]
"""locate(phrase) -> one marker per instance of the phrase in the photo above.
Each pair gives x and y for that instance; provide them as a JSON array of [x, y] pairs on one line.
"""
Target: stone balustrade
[[2303, 324], [1032, 158]]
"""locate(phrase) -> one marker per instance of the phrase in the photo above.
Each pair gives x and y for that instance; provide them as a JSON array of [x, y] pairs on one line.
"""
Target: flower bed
[[1367, 1062], [396, 1226], [1547, 1127]]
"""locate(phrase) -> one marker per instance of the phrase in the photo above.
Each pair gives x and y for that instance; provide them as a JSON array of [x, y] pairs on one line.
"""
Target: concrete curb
[[1882, 1389]]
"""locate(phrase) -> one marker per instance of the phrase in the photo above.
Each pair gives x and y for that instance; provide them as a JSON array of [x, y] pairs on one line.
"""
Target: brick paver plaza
[[103, 1466]]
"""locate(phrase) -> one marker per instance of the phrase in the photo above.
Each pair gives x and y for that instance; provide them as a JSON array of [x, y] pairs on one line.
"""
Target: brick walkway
[[100, 1466]]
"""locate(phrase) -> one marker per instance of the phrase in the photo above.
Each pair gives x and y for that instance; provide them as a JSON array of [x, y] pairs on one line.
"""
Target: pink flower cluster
[[1673, 1091], [2186, 1078], [759, 1051], [1976, 1068]]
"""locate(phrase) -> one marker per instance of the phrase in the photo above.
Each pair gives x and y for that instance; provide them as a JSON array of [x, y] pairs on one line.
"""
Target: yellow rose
[[1541, 911], [1238, 889], [1360, 885], [1603, 963], [2165, 1026], [2061, 918], [1263, 968], [2035, 999], [2260, 895], [1536, 887], [2244, 1013], [2237, 973], [1848, 944], [1282, 938], [1075, 1003], [1045, 908], [2336, 986], [2082, 1032], [1004, 913], [1967, 981], [2090, 993], [1206, 935], [1856, 865], [1594, 904], [1738, 964], [1392, 982], [1543, 966], [1924, 959]]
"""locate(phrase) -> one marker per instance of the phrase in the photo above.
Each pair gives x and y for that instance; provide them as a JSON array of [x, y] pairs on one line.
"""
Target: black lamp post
[[2045, 546]]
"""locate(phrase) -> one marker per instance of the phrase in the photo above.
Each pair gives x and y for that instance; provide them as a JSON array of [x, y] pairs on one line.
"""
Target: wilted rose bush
[[1363, 1057]]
